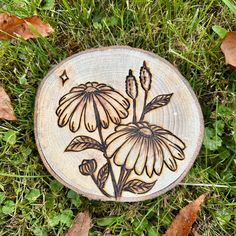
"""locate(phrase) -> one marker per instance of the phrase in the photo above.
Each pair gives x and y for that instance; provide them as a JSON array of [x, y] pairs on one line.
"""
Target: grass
[[31, 201]]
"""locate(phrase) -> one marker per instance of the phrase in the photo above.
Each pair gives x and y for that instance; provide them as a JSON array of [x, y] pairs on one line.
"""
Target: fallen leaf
[[6, 110], [28, 27], [81, 225], [182, 224], [228, 47]]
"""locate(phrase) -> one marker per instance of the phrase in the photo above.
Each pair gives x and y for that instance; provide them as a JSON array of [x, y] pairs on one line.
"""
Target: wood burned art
[[115, 137]]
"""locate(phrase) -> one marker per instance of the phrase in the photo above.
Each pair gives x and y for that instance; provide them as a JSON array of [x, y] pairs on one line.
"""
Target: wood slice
[[117, 124]]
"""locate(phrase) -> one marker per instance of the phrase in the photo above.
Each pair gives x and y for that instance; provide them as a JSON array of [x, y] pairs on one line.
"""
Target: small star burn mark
[[64, 77]]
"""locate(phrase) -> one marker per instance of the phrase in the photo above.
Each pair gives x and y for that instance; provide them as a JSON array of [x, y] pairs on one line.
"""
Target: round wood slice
[[117, 124]]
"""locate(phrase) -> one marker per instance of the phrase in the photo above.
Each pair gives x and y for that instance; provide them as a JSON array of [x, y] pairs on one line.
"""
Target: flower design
[[143, 146], [138, 147], [92, 103], [88, 167]]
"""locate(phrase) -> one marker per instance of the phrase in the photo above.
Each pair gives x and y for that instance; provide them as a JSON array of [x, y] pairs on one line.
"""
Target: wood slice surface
[[117, 124]]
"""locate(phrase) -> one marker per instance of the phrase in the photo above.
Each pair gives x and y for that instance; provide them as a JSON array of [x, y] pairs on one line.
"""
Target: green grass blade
[[230, 5]]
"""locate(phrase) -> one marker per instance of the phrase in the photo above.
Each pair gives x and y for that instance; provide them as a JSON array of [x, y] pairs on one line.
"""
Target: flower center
[[146, 131], [90, 89]]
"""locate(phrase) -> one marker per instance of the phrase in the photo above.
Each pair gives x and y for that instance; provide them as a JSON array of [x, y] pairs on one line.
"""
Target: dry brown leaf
[[81, 225], [6, 110], [182, 224], [12, 26], [228, 47]]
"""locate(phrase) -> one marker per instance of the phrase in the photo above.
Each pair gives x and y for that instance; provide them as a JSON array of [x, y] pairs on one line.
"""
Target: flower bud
[[145, 77], [131, 85], [88, 167]]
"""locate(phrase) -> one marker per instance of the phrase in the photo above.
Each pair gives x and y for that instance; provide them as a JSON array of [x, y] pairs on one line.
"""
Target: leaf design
[[81, 143], [158, 101], [138, 186], [102, 176]]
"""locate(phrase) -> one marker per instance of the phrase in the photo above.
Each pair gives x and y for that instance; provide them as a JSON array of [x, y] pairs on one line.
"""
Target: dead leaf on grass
[[6, 110], [182, 224], [12, 26], [81, 225], [228, 47]]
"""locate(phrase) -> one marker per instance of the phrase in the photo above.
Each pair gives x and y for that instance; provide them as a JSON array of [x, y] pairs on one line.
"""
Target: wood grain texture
[[117, 124]]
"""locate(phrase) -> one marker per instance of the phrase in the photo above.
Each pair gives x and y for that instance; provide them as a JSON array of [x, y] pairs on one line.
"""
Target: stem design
[[124, 175], [144, 105], [108, 162], [134, 111], [105, 155]]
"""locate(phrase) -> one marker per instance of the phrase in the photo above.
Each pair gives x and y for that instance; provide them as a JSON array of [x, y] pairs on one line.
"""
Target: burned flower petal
[[145, 147], [93, 104]]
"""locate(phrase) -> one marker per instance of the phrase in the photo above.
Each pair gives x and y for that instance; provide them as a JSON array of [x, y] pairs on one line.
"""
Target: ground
[[31, 201]]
